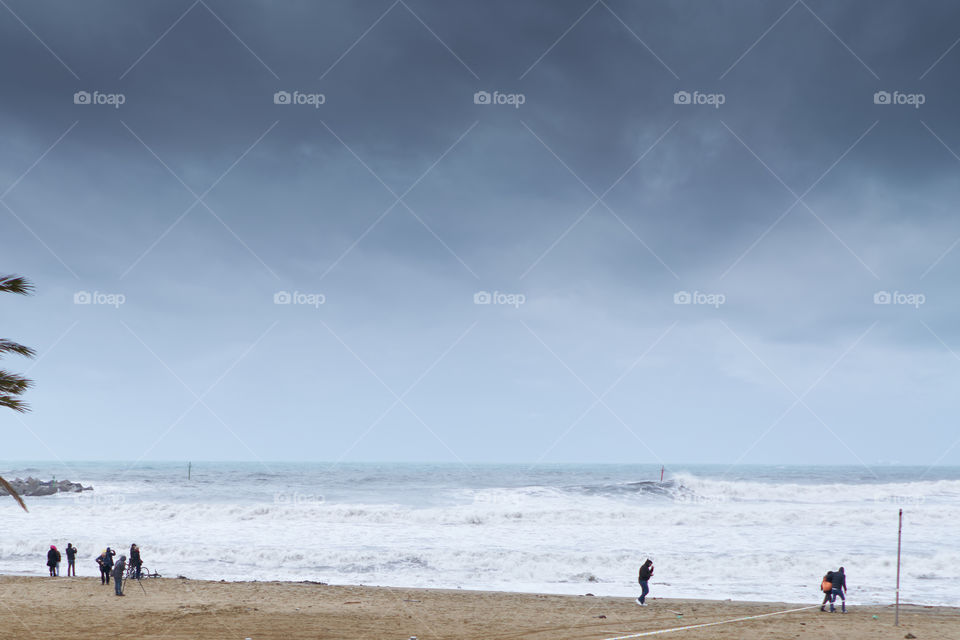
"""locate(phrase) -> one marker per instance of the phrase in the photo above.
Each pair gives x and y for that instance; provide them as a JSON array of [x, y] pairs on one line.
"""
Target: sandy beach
[[80, 608]]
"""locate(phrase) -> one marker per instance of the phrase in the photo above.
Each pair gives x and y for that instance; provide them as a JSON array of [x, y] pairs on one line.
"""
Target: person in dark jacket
[[839, 583], [135, 560], [71, 560], [106, 564], [827, 579], [118, 570], [53, 559], [646, 572]]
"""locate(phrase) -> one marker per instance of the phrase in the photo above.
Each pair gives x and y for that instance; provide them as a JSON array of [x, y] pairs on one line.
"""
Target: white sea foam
[[709, 537]]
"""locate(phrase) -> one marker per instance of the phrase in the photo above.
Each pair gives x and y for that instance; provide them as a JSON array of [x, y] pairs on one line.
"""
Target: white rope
[[711, 624]]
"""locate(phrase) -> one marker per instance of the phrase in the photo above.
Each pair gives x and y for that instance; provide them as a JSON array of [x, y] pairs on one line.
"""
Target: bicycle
[[144, 573]]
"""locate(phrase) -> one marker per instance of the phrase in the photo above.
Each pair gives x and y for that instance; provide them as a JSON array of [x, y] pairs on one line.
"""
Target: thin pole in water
[[896, 616], [189, 469], [661, 474]]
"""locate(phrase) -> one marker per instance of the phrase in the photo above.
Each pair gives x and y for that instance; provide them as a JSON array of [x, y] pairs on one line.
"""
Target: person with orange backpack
[[834, 584], [826, 585]]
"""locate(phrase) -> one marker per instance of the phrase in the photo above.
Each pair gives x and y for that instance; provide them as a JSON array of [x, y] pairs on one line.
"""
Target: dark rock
[[33, 487], [909, 636]]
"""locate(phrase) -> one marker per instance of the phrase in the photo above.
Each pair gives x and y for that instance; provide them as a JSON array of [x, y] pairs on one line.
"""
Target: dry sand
[[173, 609]]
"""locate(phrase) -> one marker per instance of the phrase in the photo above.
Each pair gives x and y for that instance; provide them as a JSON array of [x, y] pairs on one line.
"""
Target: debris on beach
[[33, 487]]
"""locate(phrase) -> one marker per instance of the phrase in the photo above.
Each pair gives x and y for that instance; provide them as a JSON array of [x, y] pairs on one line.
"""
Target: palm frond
[[9, 346], [13, 492], [15, 284], [13, 384], [14, 403]]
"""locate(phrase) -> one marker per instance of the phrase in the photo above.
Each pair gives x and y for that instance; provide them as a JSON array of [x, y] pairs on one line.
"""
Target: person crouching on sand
[[118, 570], [646, 572]]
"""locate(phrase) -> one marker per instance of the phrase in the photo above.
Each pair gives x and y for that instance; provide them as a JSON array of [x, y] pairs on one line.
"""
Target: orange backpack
[[827, 585]]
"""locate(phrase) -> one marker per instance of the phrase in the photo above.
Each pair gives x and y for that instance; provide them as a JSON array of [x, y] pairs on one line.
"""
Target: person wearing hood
[[53, 561], [646, 572], [118, 570], [839, 586]]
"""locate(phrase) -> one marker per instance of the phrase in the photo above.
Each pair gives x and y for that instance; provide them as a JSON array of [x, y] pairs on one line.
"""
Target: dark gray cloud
[[400, 197]]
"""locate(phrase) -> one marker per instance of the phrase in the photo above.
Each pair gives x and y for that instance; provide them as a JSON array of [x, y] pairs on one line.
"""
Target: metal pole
[[896, 617], [189, 468]]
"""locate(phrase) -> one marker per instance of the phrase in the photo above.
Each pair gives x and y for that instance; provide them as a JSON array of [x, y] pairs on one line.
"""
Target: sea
[[760, 533]]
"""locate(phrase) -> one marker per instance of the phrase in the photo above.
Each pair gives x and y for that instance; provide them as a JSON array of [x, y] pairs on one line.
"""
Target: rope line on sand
[[711, 624]]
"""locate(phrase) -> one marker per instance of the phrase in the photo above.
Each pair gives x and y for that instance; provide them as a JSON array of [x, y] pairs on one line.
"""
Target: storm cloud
[[483, 231]]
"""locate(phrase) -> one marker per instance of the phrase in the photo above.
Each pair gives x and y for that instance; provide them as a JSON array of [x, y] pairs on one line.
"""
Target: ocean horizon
[[748, 532]]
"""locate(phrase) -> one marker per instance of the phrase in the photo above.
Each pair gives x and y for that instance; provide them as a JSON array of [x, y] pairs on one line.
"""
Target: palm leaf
[[14, 384], [14, 403], [8, 346], [15, 284], [13, 492]]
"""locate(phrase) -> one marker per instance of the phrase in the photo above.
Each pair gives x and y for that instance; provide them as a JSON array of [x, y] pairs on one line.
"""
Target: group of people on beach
[[54, 557], [834, 584], [105, 561]]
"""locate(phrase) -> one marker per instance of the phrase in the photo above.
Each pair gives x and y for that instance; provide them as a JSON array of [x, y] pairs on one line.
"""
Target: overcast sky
[[172, 172]]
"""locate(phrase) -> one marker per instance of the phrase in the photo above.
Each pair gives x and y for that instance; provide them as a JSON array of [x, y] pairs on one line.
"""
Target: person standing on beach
[[53, 559], [118, 570], [826, 586], [100, 565], [646, 572], [839, 583], [106, 564], [71, 560], [135, 560]]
